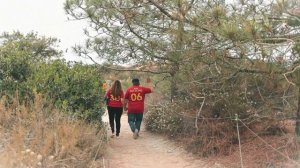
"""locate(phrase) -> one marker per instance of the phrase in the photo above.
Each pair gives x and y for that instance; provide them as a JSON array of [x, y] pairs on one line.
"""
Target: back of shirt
[[114, 101], [136, 96]]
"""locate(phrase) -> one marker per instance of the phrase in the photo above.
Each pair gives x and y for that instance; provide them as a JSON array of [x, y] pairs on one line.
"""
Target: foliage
[[29, 64], [72, 87], [38, 135], [166, 34], [257, 100], [163, 120], [214, 136], [175, 35], [19, 54], [233, 54]]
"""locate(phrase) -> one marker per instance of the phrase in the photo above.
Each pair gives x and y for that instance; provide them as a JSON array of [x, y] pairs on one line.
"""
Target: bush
[[178, 121], [74, 88], [162, 119]]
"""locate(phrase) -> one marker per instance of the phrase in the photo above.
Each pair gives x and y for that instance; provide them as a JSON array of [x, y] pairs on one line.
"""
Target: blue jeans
[[135, 121]]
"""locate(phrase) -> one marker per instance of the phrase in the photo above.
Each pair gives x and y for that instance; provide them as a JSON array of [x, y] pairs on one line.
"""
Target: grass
[[41, 136]]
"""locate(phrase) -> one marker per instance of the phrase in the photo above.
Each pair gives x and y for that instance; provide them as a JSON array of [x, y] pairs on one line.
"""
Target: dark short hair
[[135, 81]]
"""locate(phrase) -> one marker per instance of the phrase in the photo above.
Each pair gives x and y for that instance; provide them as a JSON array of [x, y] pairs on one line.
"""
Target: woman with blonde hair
[[115, 96]]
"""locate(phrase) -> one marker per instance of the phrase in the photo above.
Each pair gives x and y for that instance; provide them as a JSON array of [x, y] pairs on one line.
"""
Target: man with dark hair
[[135, 81], [134, 98]]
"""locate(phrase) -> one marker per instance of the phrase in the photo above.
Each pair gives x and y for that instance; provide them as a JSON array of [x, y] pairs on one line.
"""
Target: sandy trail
[[148, 151]]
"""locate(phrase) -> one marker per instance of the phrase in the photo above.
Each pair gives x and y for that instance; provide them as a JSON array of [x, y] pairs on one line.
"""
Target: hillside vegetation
[[226, 74], [41, 136], [50, 110]]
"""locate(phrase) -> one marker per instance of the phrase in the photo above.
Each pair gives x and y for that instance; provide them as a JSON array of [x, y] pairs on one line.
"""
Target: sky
[[46, 18]]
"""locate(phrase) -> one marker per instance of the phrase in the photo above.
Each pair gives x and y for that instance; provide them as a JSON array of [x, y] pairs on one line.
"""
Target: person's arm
[[149, 84], [122, 98], [106, 97], [125, 104]]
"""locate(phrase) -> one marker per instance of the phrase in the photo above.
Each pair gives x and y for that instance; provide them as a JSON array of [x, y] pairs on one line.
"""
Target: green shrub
[[162, 119]]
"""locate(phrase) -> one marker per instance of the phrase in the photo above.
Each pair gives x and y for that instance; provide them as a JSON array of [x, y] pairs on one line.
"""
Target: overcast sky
[[46, 17]]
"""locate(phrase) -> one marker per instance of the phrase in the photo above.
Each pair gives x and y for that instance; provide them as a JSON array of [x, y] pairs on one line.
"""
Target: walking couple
[[132, 101]]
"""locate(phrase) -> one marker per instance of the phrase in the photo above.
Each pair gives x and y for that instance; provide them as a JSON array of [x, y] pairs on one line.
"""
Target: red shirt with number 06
[[136, 96]]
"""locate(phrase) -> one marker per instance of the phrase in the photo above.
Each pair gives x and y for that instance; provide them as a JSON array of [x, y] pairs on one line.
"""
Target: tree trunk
[[173, 87], [297, 130], [178, 52]]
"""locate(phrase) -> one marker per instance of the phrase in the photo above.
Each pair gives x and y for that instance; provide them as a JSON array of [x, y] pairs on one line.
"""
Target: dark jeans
[[135, 120], [115, 114]]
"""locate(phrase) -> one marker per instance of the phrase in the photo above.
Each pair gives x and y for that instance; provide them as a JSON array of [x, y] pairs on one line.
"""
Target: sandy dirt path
[[148, 151]]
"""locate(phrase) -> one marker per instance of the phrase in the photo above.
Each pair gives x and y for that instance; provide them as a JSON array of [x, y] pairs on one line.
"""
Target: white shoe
[[112, 136], [135, 134]]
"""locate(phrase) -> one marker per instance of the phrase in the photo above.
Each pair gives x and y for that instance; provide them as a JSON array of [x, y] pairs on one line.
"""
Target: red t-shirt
[[114, 101], [136, 96]]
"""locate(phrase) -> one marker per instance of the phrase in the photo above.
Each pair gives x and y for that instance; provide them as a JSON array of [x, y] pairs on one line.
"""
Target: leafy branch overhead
[[227, 45], [169, 32]]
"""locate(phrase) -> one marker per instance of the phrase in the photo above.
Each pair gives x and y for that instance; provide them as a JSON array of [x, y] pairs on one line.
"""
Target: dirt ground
[[148, 151], [156, 151]]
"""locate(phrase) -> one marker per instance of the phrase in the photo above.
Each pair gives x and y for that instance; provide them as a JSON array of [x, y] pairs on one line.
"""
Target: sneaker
[[135, 134], [112, 136]]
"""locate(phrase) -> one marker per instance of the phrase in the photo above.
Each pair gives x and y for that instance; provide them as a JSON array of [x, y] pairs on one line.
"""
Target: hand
[[125, 108]]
